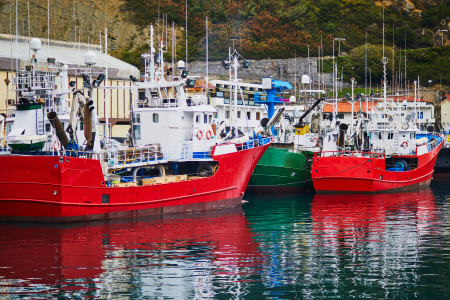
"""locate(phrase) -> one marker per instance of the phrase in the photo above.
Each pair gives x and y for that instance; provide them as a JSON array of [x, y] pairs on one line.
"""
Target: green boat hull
[[281, 171]]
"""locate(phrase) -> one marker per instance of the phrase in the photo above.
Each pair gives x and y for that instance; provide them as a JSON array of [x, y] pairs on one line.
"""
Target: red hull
[[43, 189], [343, 174]]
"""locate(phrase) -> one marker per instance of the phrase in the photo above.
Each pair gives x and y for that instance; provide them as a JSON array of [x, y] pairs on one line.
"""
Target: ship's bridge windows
[[412, 135], [210, 119], [248, 115], [136, 118], [227, 114], [205, 119], [379, 136], [155, 118], [239, 114], [219, 94], [197, 119], [216, 114], [137, 132], [390, 136]]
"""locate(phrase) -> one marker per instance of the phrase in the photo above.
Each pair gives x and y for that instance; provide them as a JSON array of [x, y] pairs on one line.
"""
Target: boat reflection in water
[[174, 256], [375, 243]]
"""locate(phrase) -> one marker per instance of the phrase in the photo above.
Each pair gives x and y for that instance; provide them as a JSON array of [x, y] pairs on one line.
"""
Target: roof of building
[[347, 106], [67, 52]]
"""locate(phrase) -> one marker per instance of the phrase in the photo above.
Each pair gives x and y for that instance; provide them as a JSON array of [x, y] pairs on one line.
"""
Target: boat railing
[[435, 143], [81, 154], [155, 154], [39, 81], [4, 148], [157, 102], [350, 154]]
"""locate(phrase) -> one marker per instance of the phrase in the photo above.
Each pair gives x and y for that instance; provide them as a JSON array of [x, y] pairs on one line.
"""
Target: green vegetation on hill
[[281, 29], [430, 64]]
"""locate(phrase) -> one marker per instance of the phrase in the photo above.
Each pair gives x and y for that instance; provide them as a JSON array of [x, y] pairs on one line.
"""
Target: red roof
[[347, 106]]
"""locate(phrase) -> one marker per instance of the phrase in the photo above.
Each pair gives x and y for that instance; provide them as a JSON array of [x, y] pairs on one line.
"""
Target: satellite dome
[[35, 44], [305, 79], [90, 58], [292, 99], [181, 65]]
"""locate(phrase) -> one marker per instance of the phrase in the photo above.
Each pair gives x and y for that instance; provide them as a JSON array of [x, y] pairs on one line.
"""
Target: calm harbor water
[[394, 246]]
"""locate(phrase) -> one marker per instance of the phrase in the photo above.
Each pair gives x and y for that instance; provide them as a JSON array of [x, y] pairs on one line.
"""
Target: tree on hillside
[[356, 59]]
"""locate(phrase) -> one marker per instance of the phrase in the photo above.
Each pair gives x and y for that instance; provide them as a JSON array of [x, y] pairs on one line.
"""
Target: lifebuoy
[[405, 144], [200, 134], [314, 140], [447, 146], [208, 134]]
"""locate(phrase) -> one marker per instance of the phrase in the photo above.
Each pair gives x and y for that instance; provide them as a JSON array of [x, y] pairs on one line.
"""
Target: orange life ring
[[200, 134], [405, 144], [208, 134]]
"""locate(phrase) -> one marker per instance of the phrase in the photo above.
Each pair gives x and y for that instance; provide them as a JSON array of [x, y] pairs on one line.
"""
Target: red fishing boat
[[372, 172]]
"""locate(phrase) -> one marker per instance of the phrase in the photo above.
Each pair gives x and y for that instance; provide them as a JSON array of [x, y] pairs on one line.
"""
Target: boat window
[[390, 135], [197, 119], [205, 119], [155, 118], [210, 119], [340, 116], [238, 114], [142, 95], [379, 136], [227, 114], [248, 115], [370, 135], [137, 132], [136, 118], [219, 94], [258, 116], [216, 114]]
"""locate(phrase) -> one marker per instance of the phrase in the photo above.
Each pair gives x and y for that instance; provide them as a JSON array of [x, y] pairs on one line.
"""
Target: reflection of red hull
[[342, 174], [364, 216], [54, 189], [59, 255]]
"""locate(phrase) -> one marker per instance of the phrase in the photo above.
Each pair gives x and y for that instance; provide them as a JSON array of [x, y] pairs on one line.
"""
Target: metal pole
[[206, 78], [186, 36], [106, 91]]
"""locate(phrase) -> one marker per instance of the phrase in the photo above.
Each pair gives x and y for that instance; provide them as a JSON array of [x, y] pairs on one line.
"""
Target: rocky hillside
[[266, 28]]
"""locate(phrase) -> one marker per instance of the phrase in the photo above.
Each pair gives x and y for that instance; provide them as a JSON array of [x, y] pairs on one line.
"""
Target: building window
[[258, 116], [239, 114], [227, 114], [155, 118], [248, 115], [137, 132]]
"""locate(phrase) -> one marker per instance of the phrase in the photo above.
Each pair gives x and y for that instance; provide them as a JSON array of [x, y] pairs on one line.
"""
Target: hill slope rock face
[[87, 18]]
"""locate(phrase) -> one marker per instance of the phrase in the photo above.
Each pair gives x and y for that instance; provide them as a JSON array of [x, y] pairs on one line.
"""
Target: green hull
[[281, 171]]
